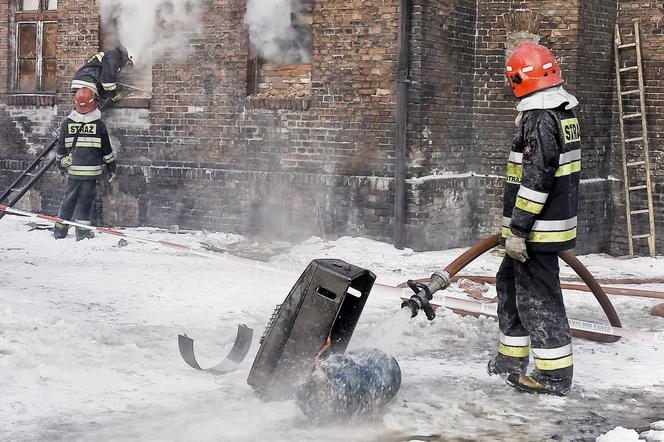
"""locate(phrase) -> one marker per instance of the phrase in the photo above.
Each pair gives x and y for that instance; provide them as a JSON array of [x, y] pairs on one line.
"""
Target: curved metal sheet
[[232, 361]]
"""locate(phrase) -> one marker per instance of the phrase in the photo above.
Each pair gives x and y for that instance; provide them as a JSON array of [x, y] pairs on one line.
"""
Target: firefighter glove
[[118, 96], [515, 246], [65, 162]]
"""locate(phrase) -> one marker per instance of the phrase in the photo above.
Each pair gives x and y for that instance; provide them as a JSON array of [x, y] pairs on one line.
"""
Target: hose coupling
[[439, 281], [420, 300]]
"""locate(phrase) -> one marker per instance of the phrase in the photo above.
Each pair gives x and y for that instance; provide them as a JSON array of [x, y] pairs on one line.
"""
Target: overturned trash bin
[[321, 310], [348, 385]]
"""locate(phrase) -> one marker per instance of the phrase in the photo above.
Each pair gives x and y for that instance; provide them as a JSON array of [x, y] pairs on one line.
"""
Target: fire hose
[[578, 287], [456, 266], [440, 280]]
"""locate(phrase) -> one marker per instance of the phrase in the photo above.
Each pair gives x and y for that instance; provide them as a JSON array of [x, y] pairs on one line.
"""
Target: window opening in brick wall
[[36, 33], [140, 79], [284, 79]]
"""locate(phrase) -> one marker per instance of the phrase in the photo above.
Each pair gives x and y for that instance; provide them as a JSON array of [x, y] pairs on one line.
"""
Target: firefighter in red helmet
[[83, 150], [539, 220]]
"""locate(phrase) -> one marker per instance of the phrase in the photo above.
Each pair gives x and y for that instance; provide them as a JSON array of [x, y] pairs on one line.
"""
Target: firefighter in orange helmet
[[539, 220], [83, 150]]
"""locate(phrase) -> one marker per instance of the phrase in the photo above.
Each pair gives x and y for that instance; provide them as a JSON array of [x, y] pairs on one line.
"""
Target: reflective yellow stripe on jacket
[[85, 170], [547, 231]]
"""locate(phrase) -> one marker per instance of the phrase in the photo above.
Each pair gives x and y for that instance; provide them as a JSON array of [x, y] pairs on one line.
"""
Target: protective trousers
[[531, 313], [79, 195]]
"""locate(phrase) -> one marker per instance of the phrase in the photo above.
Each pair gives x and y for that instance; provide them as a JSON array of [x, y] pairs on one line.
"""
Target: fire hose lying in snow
[[421, 300], [319, 316], [423, 296]]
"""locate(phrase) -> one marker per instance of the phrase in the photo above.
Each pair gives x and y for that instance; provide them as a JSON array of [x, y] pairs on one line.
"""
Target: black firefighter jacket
[[89, 146], [542, 184], [100, 73]]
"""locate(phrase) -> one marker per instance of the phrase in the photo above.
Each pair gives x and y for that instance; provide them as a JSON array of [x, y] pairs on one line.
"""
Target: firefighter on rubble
[[539, 220], [100, 72], [83, 149]]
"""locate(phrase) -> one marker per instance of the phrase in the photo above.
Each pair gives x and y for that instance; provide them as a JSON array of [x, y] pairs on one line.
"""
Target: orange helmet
[[531, 68], [85, 100]]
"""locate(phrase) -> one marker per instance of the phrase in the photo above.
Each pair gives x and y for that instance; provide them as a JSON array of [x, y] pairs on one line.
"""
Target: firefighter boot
[[83, 234], [60, 231], [504, 365], [538, 383]]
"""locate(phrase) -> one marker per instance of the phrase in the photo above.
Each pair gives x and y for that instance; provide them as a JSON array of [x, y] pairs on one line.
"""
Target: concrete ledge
[[276, 103], [134, 103], [30, 99]]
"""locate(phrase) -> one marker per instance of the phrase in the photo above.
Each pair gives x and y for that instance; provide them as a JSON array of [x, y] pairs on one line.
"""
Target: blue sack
[[356, 383]]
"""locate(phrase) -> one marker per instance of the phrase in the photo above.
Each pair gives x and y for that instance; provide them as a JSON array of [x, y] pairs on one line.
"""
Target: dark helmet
[[127, 58]]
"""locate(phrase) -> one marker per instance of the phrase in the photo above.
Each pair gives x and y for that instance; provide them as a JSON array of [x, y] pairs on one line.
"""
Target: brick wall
[[4, 46], [651, 23], [440, 206], [26, 129], [202, 154], [78, 40], [213, 157], [580, 35], [283, 80]]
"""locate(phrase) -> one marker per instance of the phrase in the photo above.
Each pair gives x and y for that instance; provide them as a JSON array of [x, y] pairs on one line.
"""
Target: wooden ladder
[[636, 164]]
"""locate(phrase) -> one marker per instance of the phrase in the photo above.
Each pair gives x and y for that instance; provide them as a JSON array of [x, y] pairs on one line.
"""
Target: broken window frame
[[41, 18]]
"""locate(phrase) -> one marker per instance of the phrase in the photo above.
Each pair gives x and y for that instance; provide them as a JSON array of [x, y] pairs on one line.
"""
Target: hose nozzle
[[424, 294]]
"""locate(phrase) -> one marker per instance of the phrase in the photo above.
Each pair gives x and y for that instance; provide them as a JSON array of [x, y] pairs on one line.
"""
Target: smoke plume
[[151, 28], [279, 30]]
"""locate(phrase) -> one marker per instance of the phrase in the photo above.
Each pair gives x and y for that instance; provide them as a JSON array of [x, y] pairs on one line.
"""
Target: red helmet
[[85, 100], [531, 68]]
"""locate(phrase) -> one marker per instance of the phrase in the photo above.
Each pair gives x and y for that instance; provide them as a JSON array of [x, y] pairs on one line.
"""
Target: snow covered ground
[[88, 348]]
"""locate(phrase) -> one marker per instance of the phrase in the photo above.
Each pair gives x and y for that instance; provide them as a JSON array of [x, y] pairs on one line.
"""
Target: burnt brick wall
[[25, 130], [594, 89], [213, 157], [4, 46], [78, 40], [284, 80], [651, 23], [440, 128], [441, 93], [501, 25], [344, 133], [204, 154], [580, 35]]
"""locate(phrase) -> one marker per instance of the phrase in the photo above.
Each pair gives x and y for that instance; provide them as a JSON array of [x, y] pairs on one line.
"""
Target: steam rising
[[279, 30], [151, 29]]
